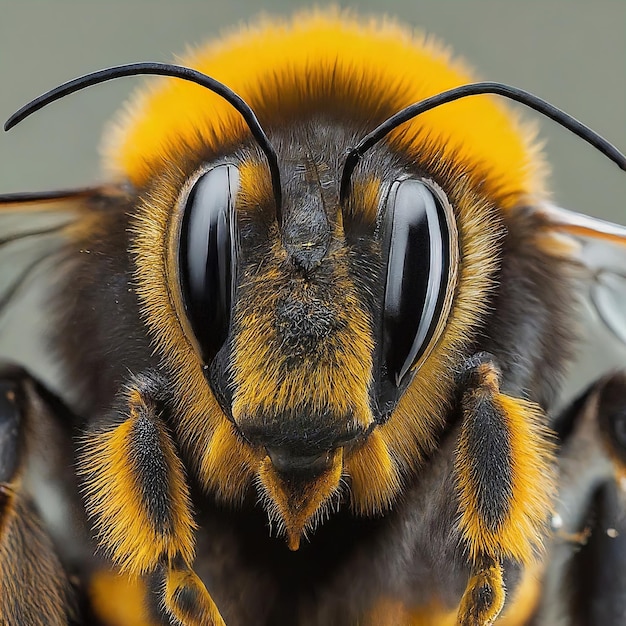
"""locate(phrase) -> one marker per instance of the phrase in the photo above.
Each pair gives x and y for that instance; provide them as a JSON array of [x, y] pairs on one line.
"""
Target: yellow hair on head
[[358, 72], [328, 62], [374, 479]]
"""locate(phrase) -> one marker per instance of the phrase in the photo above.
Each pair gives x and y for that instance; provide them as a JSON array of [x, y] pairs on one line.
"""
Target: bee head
[[310, 295], [310, 323], [311, 333]]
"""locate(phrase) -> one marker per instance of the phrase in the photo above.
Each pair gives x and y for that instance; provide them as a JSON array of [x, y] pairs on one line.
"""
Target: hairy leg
[[137, 494]]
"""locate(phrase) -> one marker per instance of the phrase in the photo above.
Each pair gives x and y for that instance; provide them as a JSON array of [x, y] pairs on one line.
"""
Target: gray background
[[572, 53]]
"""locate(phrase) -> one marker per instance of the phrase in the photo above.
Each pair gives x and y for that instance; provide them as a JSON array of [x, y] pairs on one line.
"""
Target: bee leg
[[177, 592], [504, 476], [137, 494], [484, 596], [34, 587]]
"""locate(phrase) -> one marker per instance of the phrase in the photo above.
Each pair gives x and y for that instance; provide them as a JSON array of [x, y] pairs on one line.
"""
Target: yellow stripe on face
[[264, 380]]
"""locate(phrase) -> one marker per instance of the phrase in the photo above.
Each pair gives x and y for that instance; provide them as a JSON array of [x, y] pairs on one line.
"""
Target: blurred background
[[570, 52]]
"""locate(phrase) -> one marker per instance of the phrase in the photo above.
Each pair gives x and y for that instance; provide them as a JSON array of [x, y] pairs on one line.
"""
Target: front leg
[[138, 496], [505, 480]]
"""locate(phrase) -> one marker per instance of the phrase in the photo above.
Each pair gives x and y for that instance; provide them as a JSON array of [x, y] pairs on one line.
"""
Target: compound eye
[[207, 253], [420, 243]]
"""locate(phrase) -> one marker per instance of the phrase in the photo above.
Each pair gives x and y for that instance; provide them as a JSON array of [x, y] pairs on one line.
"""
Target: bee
[[313, 331]]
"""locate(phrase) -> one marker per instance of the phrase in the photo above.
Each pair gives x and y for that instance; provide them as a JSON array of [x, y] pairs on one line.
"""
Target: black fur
[[150, 470], [488, 442], [598, 571]]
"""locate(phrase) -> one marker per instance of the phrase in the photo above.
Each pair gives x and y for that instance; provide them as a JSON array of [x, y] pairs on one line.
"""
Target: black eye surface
[[420, 245], [207, 256]]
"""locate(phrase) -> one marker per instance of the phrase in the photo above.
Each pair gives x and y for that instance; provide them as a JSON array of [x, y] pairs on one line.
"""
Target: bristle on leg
[[136, 490], [505, 481]]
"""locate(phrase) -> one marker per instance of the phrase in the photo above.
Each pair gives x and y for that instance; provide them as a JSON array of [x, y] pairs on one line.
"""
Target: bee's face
[[315, 347], [311, 328], [313, 343], [305, 332]]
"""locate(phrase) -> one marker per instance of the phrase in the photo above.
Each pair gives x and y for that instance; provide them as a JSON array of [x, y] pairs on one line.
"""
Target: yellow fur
[[340, 383], [118, 600], [114, 499], [204, 612], [364, 202], [228, 464], [374, 477], [296, 505], [532, 456], [318, 57], [473, 610]]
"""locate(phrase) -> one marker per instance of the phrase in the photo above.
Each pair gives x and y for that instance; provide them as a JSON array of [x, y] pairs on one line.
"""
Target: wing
[[32, 229], [601, 252]]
